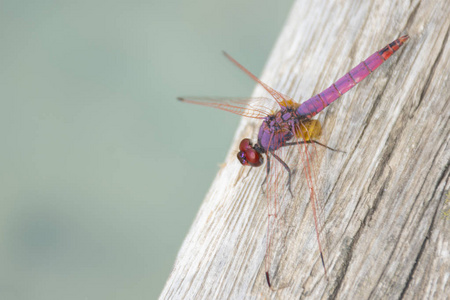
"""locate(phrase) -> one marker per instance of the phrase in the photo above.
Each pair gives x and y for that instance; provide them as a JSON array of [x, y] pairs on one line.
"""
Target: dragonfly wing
[[278, 188], [306, 132], [280, 98], [256, 107]]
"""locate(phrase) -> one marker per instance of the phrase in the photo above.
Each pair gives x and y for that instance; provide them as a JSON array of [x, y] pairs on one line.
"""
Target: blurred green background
[[102, 170]]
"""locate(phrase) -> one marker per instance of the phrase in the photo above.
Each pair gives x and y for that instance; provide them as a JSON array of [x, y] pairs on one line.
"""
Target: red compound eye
[[248, 155], [242, 159], [253, 157], [245, 145]]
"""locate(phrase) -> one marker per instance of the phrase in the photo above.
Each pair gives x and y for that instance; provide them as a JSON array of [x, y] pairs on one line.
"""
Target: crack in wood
[[411, 17], [433, 70], [427, 236], [404, 224], [355, 239]]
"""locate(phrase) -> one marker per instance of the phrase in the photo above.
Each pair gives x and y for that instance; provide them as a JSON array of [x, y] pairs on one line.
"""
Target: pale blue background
[[102, 170]]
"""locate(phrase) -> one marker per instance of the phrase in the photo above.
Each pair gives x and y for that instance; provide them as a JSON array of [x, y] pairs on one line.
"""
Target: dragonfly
[[291, 124]]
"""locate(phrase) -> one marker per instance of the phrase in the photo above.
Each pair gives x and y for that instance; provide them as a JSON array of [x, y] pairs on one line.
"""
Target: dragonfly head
[[249, 155]]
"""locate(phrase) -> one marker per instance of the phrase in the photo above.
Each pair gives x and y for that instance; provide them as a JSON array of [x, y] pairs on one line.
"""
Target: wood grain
[[386, 233]]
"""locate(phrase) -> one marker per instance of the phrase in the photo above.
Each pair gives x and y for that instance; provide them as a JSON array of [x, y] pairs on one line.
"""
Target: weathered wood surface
[[385, 198]]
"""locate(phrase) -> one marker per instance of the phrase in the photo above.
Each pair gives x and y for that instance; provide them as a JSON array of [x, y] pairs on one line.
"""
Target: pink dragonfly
[[291, 125]]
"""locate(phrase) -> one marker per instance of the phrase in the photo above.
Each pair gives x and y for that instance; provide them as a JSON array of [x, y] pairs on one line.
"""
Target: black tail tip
[[180, 99], [404, 38]]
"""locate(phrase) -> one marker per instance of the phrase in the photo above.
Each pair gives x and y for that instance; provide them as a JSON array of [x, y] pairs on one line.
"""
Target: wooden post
[[385, 200]]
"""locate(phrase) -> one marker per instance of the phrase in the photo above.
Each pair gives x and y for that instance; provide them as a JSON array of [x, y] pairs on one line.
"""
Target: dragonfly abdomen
[[314, 105]]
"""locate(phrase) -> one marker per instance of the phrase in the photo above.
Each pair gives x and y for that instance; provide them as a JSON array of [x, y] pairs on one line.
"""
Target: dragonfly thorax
[[277, 129]]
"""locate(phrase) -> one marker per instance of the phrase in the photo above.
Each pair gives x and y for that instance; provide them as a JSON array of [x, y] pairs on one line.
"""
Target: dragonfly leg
[[267, 174], [315, 142], [287, 169], [249, 170]]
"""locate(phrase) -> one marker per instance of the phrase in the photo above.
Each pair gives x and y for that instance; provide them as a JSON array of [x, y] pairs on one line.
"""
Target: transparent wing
[[306, 132], [280, 98], [277, 191], [257, 108]]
